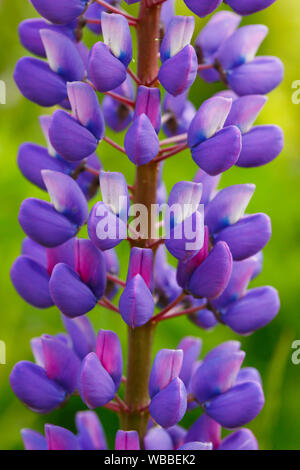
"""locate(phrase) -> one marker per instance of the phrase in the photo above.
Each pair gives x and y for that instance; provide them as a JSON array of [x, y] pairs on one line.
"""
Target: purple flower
[[107, 224], [183, 221], [32, 159], [221, 26], [62, 12], [243, 7], [214, 148], [51, 224], [224, 398], [246, 7], [109, 60], [94, 13], [29, 33], [247, 74], [63, 55], [76, 137], [179, 60], [90, 435], [77, 289], [38, 83], [260, 144], [44, 386], [202, 8]]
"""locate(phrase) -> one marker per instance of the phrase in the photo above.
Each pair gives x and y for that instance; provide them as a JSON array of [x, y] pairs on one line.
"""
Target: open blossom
[[68, 257]]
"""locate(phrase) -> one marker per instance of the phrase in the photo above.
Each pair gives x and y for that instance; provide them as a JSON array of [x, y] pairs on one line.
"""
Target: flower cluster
[[210, 283]]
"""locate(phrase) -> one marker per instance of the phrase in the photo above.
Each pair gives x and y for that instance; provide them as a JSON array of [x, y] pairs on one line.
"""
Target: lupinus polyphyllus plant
[[214, 267]]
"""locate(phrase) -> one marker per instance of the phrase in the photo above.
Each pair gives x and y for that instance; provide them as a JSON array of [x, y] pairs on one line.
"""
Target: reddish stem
[[116, 10], [121, 404], [116, 280], [110, 304], [205, 66], [155, 79], [113, 407], [187, 311], [108, 307], [93, 171], [156, 243], [173, 140], [120, 98], [114, 144], [177, 149], [169, 307], [134, 76]]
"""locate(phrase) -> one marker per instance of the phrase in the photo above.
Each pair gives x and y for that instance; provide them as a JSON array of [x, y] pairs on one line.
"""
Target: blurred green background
[[277, 194]]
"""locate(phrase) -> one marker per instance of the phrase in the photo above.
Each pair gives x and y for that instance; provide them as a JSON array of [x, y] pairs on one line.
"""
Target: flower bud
[[109, 352], [127, 440], [148, 103], [136, 302], [141, 262], [141, 141]]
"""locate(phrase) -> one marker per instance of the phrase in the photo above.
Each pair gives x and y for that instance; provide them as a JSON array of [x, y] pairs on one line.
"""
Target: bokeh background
[[277, 194]]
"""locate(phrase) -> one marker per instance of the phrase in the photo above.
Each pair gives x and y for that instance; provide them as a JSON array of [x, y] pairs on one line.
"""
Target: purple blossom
[[215, 261]]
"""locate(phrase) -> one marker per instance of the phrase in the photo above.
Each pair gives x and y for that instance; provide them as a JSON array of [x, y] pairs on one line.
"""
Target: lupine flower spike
[[68, 258]]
